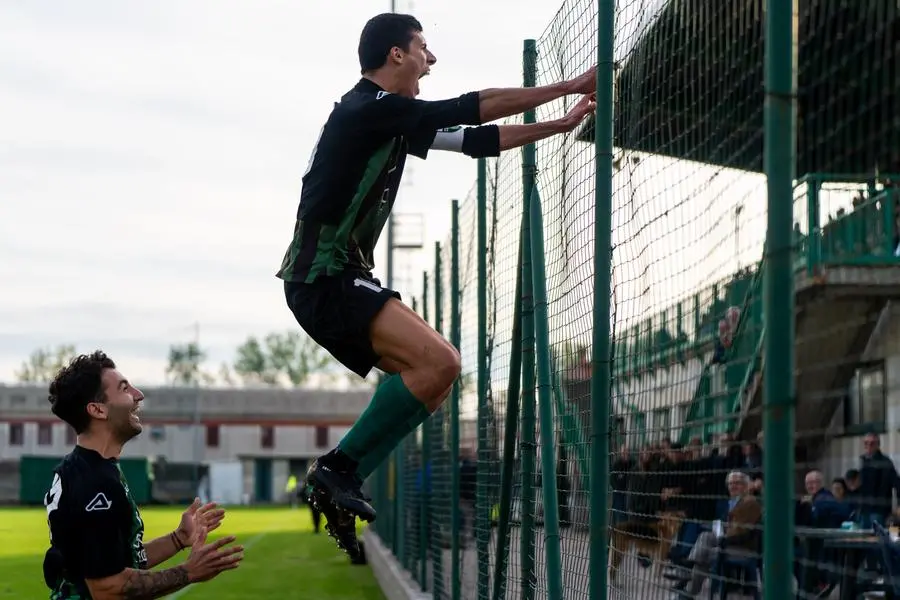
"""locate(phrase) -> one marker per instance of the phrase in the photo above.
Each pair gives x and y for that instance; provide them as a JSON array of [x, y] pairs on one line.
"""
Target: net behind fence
[[497, 488]]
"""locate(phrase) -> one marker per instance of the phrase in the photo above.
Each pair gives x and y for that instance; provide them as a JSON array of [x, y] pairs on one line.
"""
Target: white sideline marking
[[249, 544]]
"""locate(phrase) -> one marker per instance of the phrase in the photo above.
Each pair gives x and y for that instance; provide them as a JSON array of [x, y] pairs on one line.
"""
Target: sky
[[151, 152]]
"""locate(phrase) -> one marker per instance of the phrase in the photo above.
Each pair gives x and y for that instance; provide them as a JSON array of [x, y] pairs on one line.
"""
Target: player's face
[[415, 64], [123, 403]]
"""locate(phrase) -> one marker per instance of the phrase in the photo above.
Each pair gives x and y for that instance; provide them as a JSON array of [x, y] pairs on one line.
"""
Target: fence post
[[435, 423], [510, 434], [601, 356], [425, 458], [553, 561], [406, 558], [482, 504], [455, 339], [400, 503], [778, 298], [528, 453]]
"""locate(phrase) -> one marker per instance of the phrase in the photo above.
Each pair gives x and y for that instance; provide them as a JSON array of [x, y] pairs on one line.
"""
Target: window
[[70, 436], [212, 436], [45, 434], [267, 436], [864, 406], [16, 434], [321, 436]]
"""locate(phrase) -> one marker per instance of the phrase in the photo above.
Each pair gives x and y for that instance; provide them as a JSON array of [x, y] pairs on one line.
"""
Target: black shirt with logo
[[353, 175], [96, 529]]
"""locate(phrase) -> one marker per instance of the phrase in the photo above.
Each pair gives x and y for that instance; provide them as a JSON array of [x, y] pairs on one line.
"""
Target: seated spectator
[[851, 498], [839, 488], [827, 511], [739, 538]]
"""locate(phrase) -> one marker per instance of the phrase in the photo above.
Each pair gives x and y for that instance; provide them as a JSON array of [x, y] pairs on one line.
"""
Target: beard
[[126, 426]]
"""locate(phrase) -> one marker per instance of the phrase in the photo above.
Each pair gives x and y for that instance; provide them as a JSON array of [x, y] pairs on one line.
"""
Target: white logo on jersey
[[98, 503], [51, 499], [381, 95]]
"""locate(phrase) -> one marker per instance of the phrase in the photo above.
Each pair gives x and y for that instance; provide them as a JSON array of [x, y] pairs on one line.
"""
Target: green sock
[[392, 403], [370, 461]]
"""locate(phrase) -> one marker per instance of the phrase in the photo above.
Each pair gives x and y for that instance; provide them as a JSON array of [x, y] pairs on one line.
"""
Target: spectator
[[740, 538], [878, 481], [839, 488], [644, 495], [851, 478], [621, 469], [753, 460], [827, 511]]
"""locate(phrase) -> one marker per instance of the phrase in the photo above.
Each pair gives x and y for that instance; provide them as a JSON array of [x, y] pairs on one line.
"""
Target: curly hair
[[76, 385]]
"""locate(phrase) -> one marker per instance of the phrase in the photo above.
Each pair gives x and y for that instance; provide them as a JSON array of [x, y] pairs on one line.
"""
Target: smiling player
[[97, 551], [348, 191]]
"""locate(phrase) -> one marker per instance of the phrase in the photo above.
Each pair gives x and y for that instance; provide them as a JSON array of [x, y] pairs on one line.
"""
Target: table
[[852, 542]]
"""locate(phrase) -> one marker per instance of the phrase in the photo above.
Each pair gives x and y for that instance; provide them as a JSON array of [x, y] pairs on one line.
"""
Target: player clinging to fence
[[348, 191]]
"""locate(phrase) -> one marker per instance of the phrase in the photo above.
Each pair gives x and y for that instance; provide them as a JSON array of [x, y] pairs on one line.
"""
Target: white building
[[269, 432]]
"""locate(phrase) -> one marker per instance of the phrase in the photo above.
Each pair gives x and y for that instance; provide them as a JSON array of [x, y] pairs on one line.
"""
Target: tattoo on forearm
[[146, 585]]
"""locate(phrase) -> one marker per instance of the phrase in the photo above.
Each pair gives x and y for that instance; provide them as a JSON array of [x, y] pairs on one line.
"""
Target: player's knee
[[448, 368], [440, 371]]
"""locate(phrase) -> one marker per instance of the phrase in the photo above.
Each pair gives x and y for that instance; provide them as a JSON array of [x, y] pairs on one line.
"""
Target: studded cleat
[[342, 488], [339, 524]]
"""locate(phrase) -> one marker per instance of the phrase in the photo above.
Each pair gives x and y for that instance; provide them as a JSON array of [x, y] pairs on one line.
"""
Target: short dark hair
[[76, 385], [381, 33], [851, 474]]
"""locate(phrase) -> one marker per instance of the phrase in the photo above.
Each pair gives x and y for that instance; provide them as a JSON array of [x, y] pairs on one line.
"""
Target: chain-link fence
[[606, 435]]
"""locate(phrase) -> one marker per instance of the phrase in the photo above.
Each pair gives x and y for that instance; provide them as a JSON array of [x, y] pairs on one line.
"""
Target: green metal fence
[[624, 299]]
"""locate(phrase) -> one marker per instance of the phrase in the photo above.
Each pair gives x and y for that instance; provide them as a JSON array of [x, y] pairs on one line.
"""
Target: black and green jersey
[[355, 169], [95, 526]]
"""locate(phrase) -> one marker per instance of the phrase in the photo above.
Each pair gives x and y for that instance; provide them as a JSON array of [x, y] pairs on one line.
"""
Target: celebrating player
[[96, 532], [348, 191]]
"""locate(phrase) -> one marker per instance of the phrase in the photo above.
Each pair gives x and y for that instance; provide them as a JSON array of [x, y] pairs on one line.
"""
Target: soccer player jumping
[[348, 191]]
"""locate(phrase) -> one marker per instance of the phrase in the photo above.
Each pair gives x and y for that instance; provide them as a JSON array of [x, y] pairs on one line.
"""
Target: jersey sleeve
[[94, 514], [390, 115], [477, 142]]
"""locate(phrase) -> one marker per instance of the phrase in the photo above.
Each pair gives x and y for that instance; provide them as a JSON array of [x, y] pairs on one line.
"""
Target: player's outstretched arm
[[391, 115], [514, 136], [497, 103], [205, 562], [490, 140]]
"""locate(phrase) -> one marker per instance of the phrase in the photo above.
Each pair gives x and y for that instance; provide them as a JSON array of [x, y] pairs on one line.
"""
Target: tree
[[252, 365], [44, 363], [288, 358], [184, 364]]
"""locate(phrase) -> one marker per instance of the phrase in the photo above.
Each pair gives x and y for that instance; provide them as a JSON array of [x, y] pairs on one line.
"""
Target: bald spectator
[[827, 512]]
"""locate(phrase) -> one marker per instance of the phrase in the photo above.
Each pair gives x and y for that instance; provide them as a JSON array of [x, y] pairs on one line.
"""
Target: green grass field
[[284, 559]]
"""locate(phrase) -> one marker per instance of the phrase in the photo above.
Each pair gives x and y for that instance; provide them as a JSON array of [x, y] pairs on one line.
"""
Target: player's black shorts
[[336, 312]]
